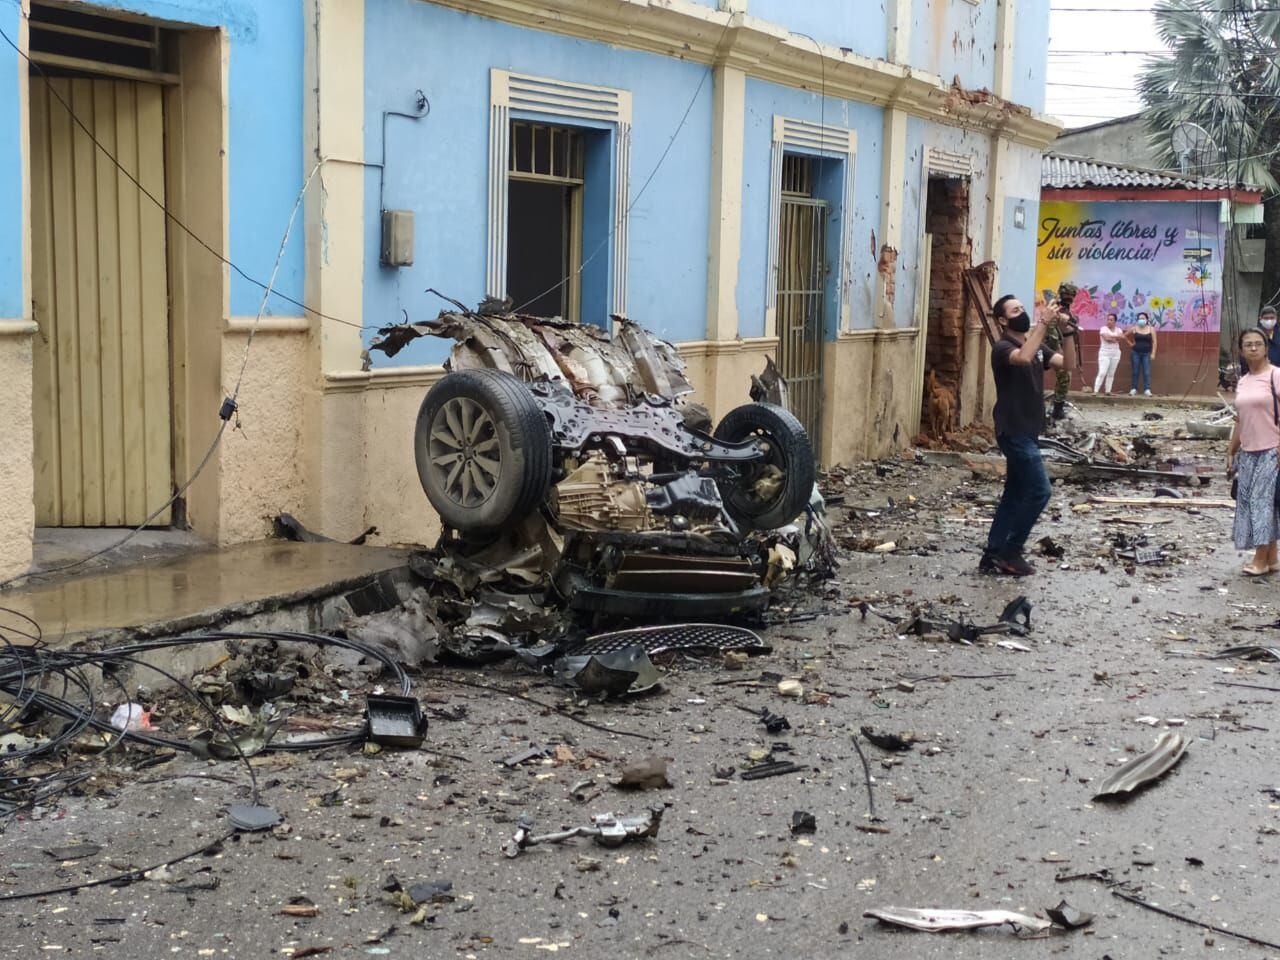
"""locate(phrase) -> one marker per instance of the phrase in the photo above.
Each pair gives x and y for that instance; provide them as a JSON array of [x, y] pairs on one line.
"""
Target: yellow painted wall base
[[867, 401], [17, 441], [262, 464], [720, 370]]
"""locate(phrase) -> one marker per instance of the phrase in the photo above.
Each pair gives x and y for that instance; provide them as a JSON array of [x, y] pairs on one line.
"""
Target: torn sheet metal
[[1146, 769], [609, 674], [1248, 651], [940, 921], [289, 527], [770, 386], [603, 370], [606, 829]]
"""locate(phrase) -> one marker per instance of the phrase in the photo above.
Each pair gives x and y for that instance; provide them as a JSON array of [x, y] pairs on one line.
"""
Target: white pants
[[1107, 365]]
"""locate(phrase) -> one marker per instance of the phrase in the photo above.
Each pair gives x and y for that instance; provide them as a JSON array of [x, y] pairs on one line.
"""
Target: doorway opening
[[946, 254], [102, 404], [544, 219], [802, 289]]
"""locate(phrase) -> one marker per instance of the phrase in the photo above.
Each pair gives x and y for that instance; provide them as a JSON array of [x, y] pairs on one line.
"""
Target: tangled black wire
[[39, 684]]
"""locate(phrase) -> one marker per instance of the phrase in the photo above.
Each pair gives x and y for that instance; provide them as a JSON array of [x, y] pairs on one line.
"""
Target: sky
[[1092, 66]]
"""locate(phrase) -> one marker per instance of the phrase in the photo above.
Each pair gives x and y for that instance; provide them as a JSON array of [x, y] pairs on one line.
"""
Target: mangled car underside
[[565, 460]]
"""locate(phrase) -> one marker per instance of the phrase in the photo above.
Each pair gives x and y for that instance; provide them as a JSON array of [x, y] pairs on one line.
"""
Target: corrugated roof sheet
[[1079, 173]]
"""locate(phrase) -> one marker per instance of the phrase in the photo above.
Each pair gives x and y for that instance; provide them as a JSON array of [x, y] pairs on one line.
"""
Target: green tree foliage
[[1222, 74]]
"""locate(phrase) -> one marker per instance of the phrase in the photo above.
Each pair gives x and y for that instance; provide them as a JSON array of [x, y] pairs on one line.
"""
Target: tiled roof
[[1080, 173]]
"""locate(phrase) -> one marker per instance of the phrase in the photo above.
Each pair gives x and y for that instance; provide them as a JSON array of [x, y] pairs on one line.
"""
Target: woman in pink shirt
[[1251, 455]]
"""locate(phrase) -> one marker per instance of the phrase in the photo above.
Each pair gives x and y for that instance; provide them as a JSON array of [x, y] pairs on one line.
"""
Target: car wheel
[[483, 448], [773, 492]]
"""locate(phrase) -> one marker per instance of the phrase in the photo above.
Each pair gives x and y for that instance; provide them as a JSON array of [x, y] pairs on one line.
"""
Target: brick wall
[[947, 219]]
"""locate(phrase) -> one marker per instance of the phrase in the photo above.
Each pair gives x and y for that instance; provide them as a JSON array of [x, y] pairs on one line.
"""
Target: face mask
[[1020, 324], [1268, 322]]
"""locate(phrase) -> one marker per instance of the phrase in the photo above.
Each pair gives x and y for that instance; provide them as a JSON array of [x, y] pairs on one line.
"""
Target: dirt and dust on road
[[1008, 736]]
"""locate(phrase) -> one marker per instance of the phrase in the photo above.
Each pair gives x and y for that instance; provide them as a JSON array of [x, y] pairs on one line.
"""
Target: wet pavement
[[985, 812], [196, 589]]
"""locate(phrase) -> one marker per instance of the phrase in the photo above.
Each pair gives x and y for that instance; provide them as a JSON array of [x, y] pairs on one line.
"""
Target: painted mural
[[1164, 259]]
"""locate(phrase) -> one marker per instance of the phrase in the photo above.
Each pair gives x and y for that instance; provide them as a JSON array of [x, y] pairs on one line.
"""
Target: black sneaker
[[987, 564], [1012, 566]]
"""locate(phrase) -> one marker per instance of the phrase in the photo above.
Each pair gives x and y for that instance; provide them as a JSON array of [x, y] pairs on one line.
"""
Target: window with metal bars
[[544, 219]]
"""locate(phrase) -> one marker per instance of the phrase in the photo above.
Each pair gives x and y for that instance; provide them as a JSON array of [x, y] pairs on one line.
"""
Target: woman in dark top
[[1142, 343]]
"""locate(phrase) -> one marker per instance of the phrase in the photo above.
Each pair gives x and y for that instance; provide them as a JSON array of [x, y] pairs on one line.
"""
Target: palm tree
[[1223, 75]]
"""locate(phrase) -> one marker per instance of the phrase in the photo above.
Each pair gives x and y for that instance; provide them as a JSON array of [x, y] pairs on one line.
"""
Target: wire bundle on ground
[[40, 684]]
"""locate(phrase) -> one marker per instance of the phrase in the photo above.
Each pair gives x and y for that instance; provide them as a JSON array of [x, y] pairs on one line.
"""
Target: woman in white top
[[1108, 354]]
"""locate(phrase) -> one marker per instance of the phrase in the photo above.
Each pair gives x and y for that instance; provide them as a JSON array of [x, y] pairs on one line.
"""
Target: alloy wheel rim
[[464, 452]]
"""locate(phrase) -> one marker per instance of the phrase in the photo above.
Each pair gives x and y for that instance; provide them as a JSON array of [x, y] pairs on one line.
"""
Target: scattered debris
[[791, 688], [890, 741], [803, 822], [395, 721], [647, 774], [939, 921], [1068, 917], [609, 674], [1145, 769], [606, 829], [770, 768], [288, 527]]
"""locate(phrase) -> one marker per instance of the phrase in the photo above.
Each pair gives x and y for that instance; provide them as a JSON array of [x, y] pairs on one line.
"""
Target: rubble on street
[[867, 739]]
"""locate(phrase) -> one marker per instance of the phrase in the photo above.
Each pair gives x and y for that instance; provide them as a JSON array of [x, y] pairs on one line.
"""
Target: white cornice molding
[[691, 31]]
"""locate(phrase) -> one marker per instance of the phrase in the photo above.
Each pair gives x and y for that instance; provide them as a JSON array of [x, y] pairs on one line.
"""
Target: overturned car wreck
[[562, 459]]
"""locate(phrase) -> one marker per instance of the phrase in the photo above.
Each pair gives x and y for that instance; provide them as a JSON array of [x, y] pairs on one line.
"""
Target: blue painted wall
[[763, 100], [952, 38], [11, 305], [1031, 53], [1017, 267], [265, 131], [438, 167], [860, 25]]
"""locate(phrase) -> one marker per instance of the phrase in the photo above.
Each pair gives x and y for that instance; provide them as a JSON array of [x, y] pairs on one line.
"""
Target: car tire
[[483, 450], [789, 451]]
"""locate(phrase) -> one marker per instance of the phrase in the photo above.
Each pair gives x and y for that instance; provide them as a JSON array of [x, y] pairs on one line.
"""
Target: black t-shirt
[[1019, 409]]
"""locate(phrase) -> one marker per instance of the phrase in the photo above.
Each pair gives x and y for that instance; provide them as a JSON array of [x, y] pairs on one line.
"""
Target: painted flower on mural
[[1084, 307], [1138, 299], [1115, 301]]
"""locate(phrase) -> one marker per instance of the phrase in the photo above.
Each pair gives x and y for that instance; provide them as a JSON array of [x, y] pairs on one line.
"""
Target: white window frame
[[555, 101], [805, 137]]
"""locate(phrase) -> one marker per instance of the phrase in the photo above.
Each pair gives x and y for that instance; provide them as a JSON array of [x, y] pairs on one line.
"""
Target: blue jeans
[[1141, 364], [1026, 492]]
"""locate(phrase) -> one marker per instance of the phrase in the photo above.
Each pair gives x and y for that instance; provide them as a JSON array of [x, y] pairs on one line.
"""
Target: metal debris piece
[[606, 829], [770, 768], [686, 637], [802, 821], [889, 741], [1145, 769], [395, 721], [289, 527], [609, 674], [252, 818], [1017, 613], [938, 921], [774, 723], [647, 774], [76, 851], [770, 386], [524, 756], [1248, 651], [1068, 917]]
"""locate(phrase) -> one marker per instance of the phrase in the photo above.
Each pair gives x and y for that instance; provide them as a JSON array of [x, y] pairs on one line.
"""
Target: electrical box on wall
[[397, 238]]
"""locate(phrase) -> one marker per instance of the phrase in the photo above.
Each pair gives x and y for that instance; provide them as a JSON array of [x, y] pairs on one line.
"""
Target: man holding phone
[[1018, 362]]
